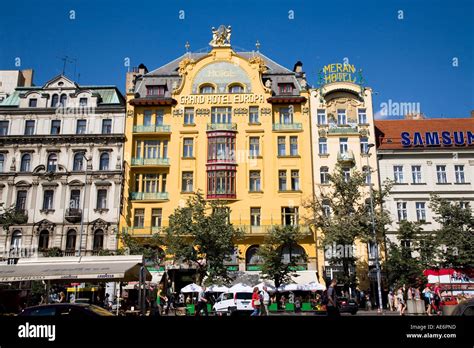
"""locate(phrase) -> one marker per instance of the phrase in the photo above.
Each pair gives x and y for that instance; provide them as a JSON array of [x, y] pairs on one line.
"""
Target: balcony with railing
[[343, 129], [73, 215], [141, 231], [138, 161], [154, 128], [266, 229], [287, 127], [346, 157], [149, 196], [222, 127]]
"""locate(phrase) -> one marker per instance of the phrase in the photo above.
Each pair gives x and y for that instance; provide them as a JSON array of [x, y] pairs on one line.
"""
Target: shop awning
[[305, 277], [105, 268]]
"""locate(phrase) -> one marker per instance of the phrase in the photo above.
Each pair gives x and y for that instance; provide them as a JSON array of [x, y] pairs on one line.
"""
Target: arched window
[[98, 240], [52, 162], [25, 163], [104, 161], [16, 240], [236, 88], [206, 89], [295, 251], [252, 259], [43, 241], [2, 163], [78, 162], [70, 240], [63, 100], [54, 100]]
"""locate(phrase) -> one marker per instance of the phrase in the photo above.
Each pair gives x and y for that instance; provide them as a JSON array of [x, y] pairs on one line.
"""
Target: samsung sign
[[437, 138]]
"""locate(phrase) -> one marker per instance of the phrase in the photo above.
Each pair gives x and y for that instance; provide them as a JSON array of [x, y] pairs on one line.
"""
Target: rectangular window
[[285, 88], [420, 211], [324, 175], [281, 146], [75, 199], [364, 145], [341, 117], [156, 217], [402, 211], [147, 117], [253, 115], [33, 102], [323, 146], [187, 182], [441, 174], [416, 174], [83, 102], [295, 180], [254, 146], [150, 183], [189, 116], [255, 216], [398, 174], [107, 126], [139, 218], [326, 208], [282, 180], [293, 146], [221, 182], [55, 127], [159, 117], [48, 200], [322, 120], [29, 127], [3, 127], [155, 90], [101, 199], [362, 115], [138, 152], [289, 216], [163, 182], [20, 201], [152, 149], [464, 205], [343, 145], [286, 116], [459, 171], [81, 127], [221, 115], [188, 148], [255, 181], [347, 174]]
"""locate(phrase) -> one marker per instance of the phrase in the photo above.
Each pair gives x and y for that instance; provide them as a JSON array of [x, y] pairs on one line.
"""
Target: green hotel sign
[[340, 72]]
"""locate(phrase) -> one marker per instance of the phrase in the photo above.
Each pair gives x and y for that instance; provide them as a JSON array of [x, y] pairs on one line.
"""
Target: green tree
[[201, 235], [342, 212], [150, 248], [456, 232], [11, 216], [274, 267]]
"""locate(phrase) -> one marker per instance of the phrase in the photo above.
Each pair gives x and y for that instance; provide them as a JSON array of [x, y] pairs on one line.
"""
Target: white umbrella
[[191, 288], [291, 287], [270, 288], [314, 286], [240, 287], [217, 288]]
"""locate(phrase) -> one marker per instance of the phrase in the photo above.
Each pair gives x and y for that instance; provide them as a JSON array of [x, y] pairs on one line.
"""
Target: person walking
[[332, 308], [255, 302], [62, 297], [401, 301], [265, 301], [390, 300], [427, 296], [437, 299], [201, 303], [161, 299]]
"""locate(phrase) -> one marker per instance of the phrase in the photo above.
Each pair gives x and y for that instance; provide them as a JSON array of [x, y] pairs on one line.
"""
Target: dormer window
[[206, 89], [286, 88], [156, 90], [83, 102], [236, 89], [33, 102]]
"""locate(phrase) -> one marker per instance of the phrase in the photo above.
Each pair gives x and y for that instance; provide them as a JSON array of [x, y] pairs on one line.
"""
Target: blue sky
[[403, 60]]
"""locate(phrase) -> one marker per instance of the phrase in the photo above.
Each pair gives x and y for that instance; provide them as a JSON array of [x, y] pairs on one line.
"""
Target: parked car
[[347, 305], [464, 308], [233, 303], [79, 310]]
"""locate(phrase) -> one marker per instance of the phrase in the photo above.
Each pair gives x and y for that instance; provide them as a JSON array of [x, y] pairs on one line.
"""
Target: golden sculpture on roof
[[221, 36]]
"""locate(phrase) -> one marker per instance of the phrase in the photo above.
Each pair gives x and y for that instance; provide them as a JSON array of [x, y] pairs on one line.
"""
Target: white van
[[236, 302]]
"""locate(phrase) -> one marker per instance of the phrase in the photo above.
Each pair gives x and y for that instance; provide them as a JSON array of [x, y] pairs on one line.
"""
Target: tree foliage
[[274, 267], [150, 248], [11, 216], [201, 235]]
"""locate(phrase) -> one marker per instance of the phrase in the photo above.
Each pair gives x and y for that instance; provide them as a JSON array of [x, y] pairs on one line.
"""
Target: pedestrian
[[283, 302], [332, 305], [255, 302], [265, 301], [298, 304], [390, 300], [62, 297], [401, 301], [201, 302], [154, 309], [160, 299], [427, 299], [437, 298]]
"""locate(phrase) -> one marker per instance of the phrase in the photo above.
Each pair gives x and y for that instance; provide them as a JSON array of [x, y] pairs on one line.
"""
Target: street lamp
[[377, 264], [83, 204]]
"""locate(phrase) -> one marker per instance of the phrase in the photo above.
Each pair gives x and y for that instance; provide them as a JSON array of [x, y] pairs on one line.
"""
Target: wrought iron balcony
[[266, 229], [138, 161], [149, 196], [155, 128], [144, 231], [346, 157], [281, 127], [350, 128], [222, 126], [73, 215]]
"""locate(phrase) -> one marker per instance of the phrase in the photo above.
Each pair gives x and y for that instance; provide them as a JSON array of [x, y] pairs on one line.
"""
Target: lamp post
[[83, 206], [372, 216]]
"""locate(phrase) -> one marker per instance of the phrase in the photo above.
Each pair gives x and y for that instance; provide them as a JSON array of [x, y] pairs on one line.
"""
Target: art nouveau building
[[234, 125], [61, 144], [342, 126], [424, 157]]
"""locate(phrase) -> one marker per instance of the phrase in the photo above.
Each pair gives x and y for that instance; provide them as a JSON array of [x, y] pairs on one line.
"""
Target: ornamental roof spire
[[221, 36]]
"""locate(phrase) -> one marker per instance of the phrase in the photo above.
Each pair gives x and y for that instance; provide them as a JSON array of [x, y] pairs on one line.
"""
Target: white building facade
[[61, 151]]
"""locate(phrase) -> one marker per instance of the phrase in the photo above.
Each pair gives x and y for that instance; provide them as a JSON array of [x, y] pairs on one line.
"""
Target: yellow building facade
[[234, 125]]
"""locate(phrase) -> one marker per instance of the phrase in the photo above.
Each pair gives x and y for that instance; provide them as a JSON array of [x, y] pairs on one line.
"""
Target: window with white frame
[[323, 146], [459, 172], [295, 180], [364, 145], [322, 119], [346, 172], [189, 116], [253, 115], [402, 210], [441, 174], [187, 182], [48, 200], [343, 145], [341, 117], [255, 181], [362, 116], [324, 175], [139, 218], [294, 146], [420, 211], [416, 174], [102, 199], [254, 146], [398, 174]]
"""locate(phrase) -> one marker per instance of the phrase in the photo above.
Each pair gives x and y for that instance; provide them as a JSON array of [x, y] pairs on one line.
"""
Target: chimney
[[298, 68], [27, 77], [132, 75]]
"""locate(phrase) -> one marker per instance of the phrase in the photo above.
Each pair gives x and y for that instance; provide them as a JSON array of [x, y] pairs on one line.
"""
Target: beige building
[[11, 79]]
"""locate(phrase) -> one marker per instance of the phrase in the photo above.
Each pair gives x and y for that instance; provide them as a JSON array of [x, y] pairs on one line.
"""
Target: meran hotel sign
[[220, 99]]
